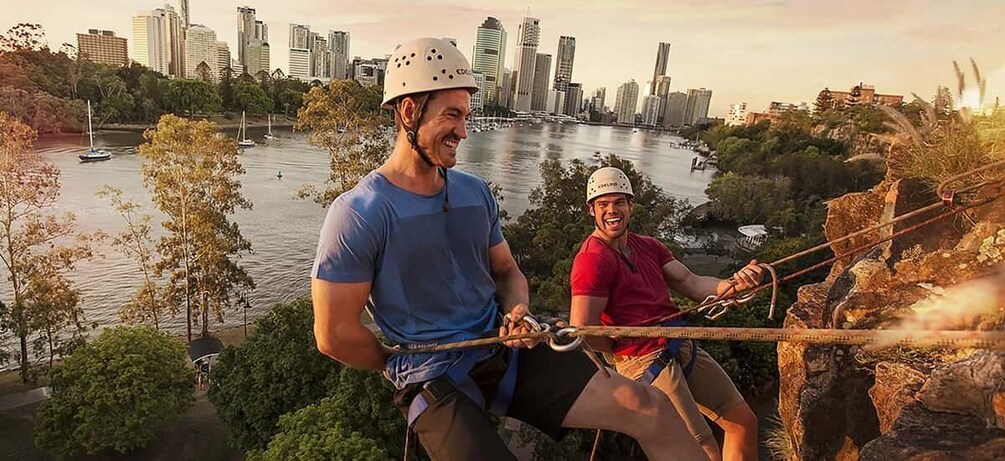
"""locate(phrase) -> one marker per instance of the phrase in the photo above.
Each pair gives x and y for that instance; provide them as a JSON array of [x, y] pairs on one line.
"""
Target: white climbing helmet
[[426, 64], [608, 180]]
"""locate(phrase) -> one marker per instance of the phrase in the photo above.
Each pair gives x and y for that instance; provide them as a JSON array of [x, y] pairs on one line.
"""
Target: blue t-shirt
[[429, 268]]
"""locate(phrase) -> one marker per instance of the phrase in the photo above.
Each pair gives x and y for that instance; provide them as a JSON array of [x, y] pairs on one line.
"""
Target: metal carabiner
[[534, 324], [558, 347]]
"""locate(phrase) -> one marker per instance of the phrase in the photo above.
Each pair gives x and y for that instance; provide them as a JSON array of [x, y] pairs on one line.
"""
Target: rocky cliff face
[[846, 403]]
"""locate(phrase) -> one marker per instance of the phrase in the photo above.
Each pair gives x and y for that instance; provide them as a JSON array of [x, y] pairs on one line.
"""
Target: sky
[[754, 51]]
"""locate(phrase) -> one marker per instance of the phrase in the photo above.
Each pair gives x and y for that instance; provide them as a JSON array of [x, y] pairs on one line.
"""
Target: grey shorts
[[707, 391], [453, 427]]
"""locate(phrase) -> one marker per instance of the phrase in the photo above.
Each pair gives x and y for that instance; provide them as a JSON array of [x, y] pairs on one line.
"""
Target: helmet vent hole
[[443, 71], [402, 83], [429, 58], [413, 55], [408, 62], [399, 64], [439, 57], [434, 78], [433, 50], [450, 76]]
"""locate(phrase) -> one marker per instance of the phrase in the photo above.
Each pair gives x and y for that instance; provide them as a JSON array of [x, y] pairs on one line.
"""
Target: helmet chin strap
[[413, 138]]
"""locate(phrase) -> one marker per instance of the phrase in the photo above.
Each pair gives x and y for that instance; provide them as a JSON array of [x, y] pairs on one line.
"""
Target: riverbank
[[225, 121]]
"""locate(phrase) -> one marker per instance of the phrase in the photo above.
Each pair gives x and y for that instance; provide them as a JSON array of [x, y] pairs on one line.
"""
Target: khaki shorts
[[707, 390]]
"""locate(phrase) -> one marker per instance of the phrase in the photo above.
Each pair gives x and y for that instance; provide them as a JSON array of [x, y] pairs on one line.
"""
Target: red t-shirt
[[633, 298]]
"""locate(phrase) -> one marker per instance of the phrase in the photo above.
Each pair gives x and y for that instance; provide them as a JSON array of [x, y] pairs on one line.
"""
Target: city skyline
[[753, 52]]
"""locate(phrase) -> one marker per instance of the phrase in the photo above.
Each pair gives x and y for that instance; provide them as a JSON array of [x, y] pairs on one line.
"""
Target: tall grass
[[935, 149]]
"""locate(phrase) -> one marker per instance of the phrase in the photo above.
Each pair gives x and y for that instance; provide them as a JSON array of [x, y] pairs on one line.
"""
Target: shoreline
[[220, 120]]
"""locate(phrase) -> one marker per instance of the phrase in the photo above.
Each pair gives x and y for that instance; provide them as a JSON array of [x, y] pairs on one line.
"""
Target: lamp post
[[245, 305]]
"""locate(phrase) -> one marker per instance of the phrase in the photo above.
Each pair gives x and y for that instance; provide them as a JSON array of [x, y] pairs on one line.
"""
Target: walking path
[[20, 399]]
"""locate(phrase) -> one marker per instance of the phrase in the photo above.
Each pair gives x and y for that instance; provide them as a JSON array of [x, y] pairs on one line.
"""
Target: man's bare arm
[[586, 310], [338, 331]]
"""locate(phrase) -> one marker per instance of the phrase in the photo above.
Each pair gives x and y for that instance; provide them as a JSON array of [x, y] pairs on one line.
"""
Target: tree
[[192, 173], [278, 370], [359, 414], [749, 199], [345, 118], [249, 97], [321, 431], [43, 300], [191, 96], [115, 393], [825, 101], [135, 242], [226, 87]]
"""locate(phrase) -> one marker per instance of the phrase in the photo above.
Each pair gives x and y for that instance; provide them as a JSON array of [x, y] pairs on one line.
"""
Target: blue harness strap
[[460, 375], [670, 353]]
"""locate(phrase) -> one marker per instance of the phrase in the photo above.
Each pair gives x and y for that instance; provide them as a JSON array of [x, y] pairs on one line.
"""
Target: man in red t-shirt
[[620, 278]]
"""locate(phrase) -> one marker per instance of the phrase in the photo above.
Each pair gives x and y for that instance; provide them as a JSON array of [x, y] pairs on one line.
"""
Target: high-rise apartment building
[[696, 110], [505, 89], [650, 110], [598, 99], [201, 53], [573, 99], [158, 42], [478, 98], [563, 62], [737, 115], [488, 57], [222, 56], [338, 41], [103, 47], [662, 85], [252, 41], [674, 107], [626, 101], [528, 36], [662, 59], [542, 69]]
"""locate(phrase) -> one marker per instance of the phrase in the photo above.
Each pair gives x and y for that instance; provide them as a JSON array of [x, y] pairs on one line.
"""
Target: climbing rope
[[715, 306], [556, 338]]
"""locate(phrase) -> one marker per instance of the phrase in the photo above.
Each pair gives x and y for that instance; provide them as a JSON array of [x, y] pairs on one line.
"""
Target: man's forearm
[[511, 289], [356, 346]]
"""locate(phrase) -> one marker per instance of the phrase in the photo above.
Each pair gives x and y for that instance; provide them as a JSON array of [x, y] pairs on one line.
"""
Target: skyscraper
[[573, 99], [478, 97], [183, 4], [222, 56], [598, 99], [252, 41], [506, 89], [201, 49], [300, 59], [338, 41], [489, 56], [563, 62], [542, 68], [696, 110], [650, 110], [245, 31], [528, 35], [662, 58], [626, 101], [157, 41], [662, 85], [103, 47], [674, 108]]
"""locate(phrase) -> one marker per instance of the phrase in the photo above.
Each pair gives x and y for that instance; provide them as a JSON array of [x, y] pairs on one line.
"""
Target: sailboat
[[242, 134], [92, 155], [269, 135]]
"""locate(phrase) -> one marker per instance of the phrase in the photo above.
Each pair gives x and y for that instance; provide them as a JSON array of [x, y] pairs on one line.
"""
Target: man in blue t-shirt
[[419, 246]]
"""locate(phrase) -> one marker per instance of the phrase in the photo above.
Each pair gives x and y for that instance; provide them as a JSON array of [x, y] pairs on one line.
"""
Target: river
[[283, 230]]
